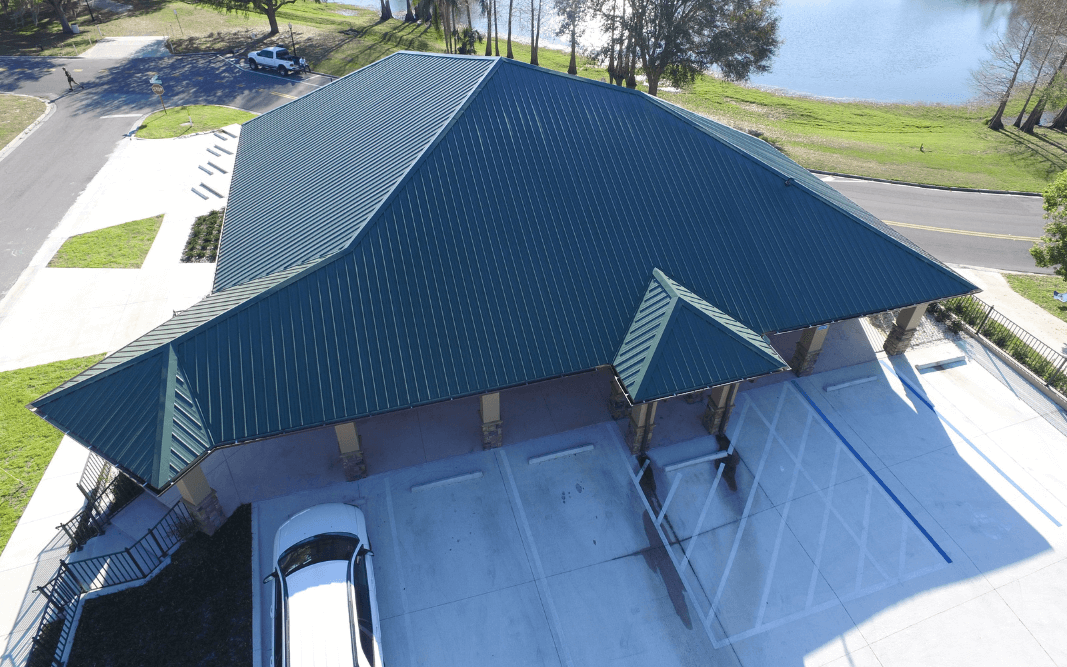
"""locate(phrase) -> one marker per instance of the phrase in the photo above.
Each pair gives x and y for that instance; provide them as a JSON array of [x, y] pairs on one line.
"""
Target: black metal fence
[[1045, 362], [106, 491], [133, 563]]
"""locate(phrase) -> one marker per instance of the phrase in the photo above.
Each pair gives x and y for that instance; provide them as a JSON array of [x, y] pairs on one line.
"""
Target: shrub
[[203, 242]]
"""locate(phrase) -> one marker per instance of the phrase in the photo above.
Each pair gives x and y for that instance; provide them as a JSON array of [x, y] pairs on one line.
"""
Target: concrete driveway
[[909, 519]]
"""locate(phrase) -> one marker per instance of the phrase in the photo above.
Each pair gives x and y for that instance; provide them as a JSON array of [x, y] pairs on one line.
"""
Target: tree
[[57, 6], [267, 7], [572, 15], [409, 17], [386, 12], [1049, 30], [680, 39], [1054, 84], [535, 29], [1009, 53], [487, 7], [511, 9], [1051, 248]]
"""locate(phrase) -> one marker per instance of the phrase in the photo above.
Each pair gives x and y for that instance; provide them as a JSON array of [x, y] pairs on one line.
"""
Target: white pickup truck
[[277, 58]]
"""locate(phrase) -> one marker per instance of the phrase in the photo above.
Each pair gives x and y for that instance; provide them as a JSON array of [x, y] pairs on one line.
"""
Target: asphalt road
[[43, 176], [966, 228]]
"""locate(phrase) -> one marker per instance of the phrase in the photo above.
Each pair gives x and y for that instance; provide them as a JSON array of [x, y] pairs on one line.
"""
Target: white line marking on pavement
[[865, 532], [825, 524], [748, 504], [904, 523], [123, 115], [822, 495], [703, 514], [539, 571], [400, 572], [781, 525]]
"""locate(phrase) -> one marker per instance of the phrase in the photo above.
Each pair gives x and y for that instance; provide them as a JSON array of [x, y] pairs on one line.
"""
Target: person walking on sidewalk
[[70, 80]]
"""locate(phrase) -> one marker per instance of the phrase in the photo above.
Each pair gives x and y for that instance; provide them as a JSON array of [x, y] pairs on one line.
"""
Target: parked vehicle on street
[[324, 609], [277, 58]]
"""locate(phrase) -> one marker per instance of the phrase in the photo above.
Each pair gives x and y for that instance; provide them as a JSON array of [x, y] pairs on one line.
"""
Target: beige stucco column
[[808, 349], [492, 424], [720, 405], [201, 501], [903, 331], [642, 421], [351, 448]]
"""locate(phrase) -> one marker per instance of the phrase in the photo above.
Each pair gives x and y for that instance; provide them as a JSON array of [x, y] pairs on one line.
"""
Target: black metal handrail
[[1020, 344], [134, 563]]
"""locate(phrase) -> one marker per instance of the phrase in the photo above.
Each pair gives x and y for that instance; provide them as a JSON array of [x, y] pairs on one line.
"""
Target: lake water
[[883, 50]]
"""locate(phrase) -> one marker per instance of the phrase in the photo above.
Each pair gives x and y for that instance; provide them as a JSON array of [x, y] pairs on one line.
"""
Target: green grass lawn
[[176, 122], [27, 442], [16, 114], [120, 247], [866, 139], [1039, 290], [196, 611]]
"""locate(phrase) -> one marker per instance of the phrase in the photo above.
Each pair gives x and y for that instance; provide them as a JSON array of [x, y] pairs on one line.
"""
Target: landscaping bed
[[196, 611], [203, 242]]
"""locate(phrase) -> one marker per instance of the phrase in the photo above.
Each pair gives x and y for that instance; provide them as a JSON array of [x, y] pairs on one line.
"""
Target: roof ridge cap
[[372, 219], [673, 109], [715, 320]]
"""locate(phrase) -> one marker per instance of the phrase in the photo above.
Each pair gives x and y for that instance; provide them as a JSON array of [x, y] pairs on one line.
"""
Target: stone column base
[[493, 434], [715, 419], [208, 514], [898, 340], [354, 466], [638, 437]]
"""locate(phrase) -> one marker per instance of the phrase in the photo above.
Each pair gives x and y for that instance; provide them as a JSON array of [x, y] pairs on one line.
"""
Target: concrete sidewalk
[[54, 314], [996, 291]]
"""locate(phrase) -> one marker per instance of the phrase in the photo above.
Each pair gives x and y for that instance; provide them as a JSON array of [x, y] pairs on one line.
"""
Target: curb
[[49, 109], [950, 188]]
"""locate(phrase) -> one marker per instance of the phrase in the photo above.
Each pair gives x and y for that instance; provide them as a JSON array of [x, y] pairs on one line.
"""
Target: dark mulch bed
[[197, 611], [203, 242]]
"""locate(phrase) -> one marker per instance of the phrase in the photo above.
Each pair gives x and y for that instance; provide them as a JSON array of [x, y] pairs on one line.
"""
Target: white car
[[276, 58], [325, 610]]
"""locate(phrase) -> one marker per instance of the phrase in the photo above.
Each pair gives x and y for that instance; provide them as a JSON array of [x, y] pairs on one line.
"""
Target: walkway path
[[996, 291]]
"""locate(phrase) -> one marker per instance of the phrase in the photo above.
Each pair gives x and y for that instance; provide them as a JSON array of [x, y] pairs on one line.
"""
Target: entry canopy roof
[[679, 343], [431, 227]]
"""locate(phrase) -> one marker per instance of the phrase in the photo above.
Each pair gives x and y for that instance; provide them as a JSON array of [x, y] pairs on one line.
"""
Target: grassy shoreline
[[931, 144]]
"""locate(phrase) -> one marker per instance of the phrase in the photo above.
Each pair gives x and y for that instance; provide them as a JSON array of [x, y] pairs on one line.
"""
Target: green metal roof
[[509, 248], [679, 343]]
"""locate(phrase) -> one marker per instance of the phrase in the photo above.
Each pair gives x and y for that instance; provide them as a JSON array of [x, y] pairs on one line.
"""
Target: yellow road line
[[292, 97], [1006, 237]]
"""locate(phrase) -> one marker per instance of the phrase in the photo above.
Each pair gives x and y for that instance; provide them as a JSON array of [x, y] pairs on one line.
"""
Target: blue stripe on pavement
[[873, 474]]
